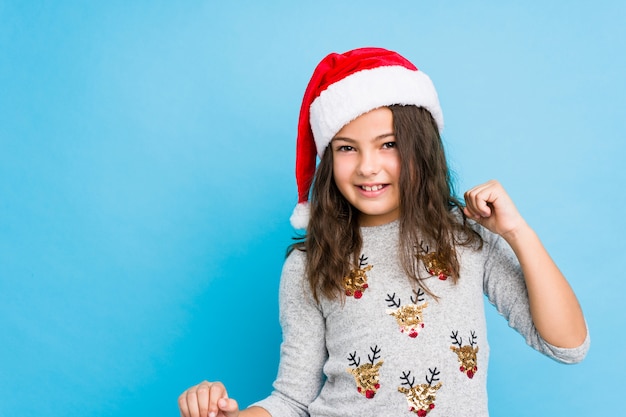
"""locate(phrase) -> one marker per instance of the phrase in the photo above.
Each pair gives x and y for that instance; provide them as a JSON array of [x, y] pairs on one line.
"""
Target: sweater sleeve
[[303, 350], [504, 286]]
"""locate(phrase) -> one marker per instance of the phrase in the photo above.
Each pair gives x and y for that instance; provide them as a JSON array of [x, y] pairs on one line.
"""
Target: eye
[[389, 145], [344, 148]]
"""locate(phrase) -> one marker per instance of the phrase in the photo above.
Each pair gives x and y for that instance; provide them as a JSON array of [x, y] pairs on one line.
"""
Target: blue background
[[146, 181]]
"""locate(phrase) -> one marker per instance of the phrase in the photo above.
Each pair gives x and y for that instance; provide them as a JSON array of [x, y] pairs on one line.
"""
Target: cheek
[[341, 173], [394, 167]]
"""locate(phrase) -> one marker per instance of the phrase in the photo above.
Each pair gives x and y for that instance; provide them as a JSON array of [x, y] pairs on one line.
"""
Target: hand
[[207, 399], [491, 206]]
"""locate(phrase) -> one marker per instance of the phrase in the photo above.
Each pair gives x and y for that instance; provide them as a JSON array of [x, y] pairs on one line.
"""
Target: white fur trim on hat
[[366, 90], [300, 217]]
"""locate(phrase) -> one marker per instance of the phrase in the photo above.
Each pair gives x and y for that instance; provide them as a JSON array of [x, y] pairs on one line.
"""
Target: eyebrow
[[375, 139]]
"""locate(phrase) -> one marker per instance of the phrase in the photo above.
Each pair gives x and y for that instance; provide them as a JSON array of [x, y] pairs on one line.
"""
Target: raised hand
[[207, 399], [490, 205]]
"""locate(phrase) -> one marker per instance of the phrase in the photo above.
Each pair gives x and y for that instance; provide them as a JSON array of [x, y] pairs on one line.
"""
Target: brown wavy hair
[[430, 214]]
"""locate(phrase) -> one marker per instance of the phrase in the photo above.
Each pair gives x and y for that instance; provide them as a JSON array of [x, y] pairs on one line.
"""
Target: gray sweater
[[390, 350]]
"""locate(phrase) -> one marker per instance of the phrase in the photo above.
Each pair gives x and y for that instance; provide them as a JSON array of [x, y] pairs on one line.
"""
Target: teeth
[[373, 188]]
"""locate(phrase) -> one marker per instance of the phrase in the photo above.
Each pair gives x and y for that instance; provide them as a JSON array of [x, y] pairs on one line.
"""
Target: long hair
[[430, 215]]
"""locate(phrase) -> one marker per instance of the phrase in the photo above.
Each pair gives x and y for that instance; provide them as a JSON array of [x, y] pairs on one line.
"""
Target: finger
[[480, 199], [217, 391], [182, 405], [470, 214], [228, 406], [484, 204], [202, 394], [476, 205], [192, 402]]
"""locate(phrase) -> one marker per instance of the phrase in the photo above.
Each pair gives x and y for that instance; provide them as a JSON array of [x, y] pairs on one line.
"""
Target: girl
[[381, 303]]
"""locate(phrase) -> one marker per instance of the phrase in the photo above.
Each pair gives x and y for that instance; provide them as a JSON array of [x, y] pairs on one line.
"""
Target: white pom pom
[[300, 217]]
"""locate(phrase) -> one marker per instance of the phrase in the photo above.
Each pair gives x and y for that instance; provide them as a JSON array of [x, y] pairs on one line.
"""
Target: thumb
[[229, 407]]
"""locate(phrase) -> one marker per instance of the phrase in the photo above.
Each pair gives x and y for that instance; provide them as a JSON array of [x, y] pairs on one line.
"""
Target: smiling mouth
[[372, 188]]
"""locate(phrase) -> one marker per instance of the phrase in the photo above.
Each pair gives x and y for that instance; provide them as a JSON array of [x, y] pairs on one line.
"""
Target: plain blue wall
[[146, 180]]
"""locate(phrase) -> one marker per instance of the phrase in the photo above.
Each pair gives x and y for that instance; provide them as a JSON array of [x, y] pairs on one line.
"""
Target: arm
[[555, 310], [303, 349]]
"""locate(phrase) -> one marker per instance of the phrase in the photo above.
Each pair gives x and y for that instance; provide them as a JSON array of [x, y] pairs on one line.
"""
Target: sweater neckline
[[383, 228]]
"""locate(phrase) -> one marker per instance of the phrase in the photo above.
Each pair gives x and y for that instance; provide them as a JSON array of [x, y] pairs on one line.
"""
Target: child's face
[[366, 166]]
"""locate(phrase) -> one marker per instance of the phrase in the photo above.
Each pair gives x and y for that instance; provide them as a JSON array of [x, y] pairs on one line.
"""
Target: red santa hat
[[343, 87]]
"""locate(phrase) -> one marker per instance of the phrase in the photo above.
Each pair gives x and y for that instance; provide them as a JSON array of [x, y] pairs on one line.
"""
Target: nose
[[369, 164]]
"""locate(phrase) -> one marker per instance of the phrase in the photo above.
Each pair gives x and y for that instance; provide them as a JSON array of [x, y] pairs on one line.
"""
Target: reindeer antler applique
[[410, 317], [434, 264], [466, 354], [421, 398], [366, 376], [355, 283]]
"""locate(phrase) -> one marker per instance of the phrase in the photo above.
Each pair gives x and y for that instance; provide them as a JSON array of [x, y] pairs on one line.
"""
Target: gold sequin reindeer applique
[[410, 317], [421, 398], [355, 283], [434, 264], [366, 376], [466, 354]]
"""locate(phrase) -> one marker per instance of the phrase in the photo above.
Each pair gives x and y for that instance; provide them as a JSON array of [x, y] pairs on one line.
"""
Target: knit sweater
[[391, 349]]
